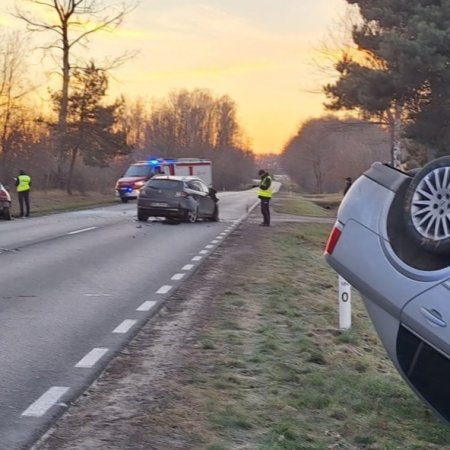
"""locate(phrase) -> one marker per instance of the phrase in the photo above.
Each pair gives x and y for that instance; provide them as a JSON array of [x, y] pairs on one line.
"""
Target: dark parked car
[[5, 203], [177, 198], [391, 242]]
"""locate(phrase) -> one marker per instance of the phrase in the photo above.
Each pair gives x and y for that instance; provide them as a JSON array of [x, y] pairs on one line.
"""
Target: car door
[[201, 196], [207, 202]]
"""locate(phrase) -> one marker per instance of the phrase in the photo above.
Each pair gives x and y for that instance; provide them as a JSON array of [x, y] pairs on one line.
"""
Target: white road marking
[[83, 230], [164, 289], [203, 252], [97, 295], [146, 306], [215, 241], [209, 246], [187, 267], [178, 276], [45, 401], [125, 326], [219, 237], [91, 358], [196, 258]]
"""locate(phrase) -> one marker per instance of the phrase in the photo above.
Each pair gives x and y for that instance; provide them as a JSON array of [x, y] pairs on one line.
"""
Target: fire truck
[[138, 173]]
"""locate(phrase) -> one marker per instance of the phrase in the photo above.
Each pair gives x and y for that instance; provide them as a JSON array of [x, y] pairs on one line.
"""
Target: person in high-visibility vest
[[265, 194], [23, 186]]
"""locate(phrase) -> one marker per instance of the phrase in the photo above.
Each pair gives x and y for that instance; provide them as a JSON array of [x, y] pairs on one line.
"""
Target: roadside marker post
[[345, 304]]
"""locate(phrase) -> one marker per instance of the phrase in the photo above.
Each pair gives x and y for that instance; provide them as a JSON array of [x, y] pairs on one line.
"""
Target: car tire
[[142, 216], [6, 213], [191, 215], [427, 206], [124, 199]]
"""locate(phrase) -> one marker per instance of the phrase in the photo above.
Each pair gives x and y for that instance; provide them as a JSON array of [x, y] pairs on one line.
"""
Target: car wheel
[[124, 199], [142, 217], [191, 215], [7, 213], [427, 206]]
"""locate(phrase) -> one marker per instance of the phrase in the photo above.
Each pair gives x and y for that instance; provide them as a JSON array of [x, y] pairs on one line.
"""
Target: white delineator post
[[345, 304]]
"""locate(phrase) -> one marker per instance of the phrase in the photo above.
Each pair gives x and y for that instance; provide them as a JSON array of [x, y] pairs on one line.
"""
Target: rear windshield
[[168, 185], [138, 171]]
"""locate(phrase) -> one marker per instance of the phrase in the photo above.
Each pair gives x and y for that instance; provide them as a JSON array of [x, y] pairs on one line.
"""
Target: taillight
[[181, 194], [332, 240], [4, 196]]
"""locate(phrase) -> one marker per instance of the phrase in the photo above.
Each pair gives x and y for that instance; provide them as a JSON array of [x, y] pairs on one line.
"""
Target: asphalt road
[[75, 288]]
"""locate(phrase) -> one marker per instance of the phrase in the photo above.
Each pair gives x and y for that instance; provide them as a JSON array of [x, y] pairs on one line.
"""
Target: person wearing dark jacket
[[348, 183], [23, 185], [265, 194]]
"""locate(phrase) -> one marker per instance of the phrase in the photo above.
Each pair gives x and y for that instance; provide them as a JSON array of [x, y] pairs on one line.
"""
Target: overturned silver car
[[391, 242]]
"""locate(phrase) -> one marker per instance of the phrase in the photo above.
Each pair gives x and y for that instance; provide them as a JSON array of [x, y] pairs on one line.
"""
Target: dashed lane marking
[[45, 401], [146, 306], [164, 289], [178, 276], [92, 358], [187, 267], [82, 230], [125, 326]]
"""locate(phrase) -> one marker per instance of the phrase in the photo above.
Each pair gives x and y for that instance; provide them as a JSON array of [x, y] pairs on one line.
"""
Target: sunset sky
[[259, 52]]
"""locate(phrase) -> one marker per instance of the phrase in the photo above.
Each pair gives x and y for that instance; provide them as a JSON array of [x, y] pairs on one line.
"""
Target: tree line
[[81, 140], [398, 74]]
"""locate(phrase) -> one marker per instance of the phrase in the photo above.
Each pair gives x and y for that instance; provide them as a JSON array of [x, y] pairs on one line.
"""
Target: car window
[[139, 171], [195, 185], [167, 185]]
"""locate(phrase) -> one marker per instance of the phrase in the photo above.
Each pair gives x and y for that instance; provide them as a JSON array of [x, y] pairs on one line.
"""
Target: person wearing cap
[[348, 183], [23, 185], [265, 194]]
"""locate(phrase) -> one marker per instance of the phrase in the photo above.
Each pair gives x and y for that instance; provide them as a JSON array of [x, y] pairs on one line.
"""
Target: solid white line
[[187, 267], [91, 358], [203, 252], [146, 306], [178, 276], [82, 231], [45, 401], [164, 289], [196, 258], [125, 326]]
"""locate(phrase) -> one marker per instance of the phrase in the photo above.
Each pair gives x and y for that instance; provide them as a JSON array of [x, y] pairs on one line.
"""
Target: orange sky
[[259, 52]]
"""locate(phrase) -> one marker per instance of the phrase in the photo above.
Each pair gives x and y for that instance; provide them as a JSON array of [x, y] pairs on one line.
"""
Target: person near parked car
[[348, 183], [265, 194], [23, 186]]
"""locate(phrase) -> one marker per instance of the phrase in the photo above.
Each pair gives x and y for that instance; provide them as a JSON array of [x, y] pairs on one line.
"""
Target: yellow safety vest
[[266, 192], [24, 183]]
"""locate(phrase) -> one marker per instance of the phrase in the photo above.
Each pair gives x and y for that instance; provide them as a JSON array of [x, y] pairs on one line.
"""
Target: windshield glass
[[138, 171], [167, 185]]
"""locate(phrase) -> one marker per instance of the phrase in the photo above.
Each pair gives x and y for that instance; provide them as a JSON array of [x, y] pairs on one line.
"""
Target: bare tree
[[13, 88], [75, 21]]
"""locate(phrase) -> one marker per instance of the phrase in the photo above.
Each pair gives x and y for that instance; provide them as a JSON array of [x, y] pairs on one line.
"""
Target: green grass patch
[[295, 204], [278, 374]]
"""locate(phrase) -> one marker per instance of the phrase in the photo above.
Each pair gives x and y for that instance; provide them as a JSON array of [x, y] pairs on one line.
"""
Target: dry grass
[[44, 202]]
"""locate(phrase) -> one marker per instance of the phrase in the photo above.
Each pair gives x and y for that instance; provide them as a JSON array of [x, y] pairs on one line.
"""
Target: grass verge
[[46, 202], [273, 372]]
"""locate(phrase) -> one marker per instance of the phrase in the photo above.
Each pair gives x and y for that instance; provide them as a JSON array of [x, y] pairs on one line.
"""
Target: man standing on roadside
[[265, 194], [23, 185]]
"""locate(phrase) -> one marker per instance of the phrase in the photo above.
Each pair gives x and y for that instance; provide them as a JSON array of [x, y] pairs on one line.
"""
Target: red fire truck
[[137, 174]]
